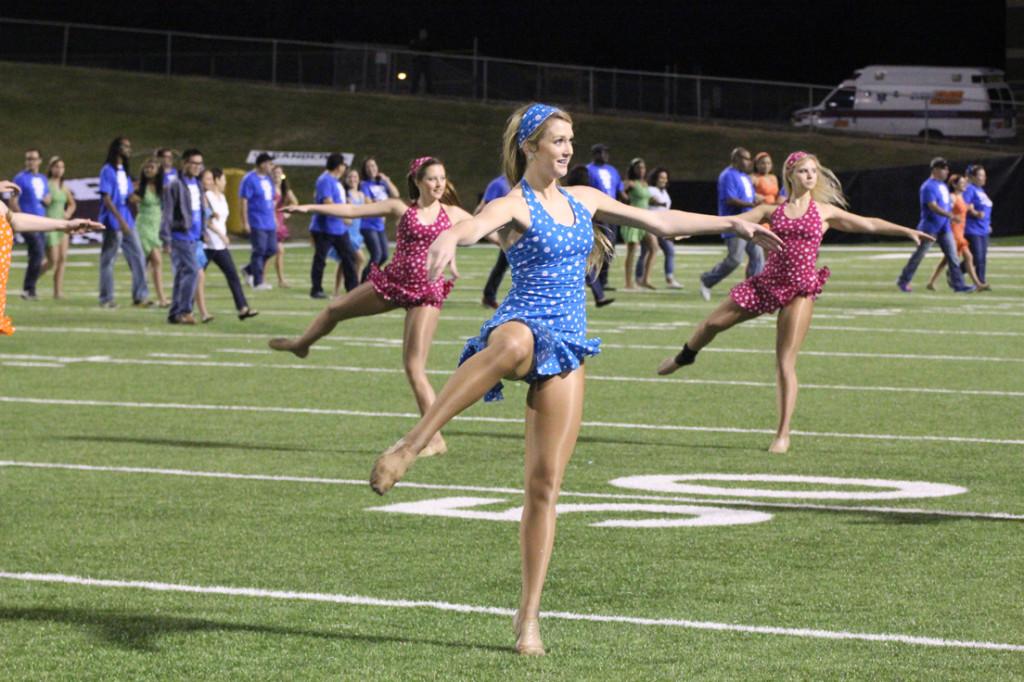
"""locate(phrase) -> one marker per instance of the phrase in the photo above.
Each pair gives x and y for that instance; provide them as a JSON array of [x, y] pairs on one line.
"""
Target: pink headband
[[795, 158], [418, 163]]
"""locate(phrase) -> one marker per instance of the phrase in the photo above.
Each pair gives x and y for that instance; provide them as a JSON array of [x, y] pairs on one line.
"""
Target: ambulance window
[[841, 99], [1001, 100]]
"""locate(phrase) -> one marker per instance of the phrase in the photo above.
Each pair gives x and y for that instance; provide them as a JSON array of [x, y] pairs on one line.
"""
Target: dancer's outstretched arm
[[851, 222], [26, 222], [495, 215], [674, 223], [388, 207]]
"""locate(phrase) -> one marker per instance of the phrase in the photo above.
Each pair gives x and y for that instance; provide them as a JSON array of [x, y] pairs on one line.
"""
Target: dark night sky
[[795, 40]]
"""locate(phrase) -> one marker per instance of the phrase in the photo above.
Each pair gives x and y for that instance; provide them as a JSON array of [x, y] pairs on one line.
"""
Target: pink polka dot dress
[[789, 271], [403, 281]]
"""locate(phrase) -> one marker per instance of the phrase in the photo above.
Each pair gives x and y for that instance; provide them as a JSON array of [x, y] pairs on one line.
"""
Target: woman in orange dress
[[957, 185], [766, 183], [24, 222]]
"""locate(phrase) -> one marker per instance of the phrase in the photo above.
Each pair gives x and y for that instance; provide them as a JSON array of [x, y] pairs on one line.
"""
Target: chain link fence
[[375, 68]]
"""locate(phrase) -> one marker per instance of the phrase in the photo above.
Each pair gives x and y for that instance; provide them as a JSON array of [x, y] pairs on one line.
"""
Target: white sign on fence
[[298, 158]]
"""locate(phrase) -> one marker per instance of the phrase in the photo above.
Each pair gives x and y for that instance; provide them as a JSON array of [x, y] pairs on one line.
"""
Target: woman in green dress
[[640, 196], [147, 199], [61, 207]]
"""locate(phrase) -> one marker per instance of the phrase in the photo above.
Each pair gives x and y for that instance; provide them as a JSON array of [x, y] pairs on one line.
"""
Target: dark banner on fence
[[892, 193]]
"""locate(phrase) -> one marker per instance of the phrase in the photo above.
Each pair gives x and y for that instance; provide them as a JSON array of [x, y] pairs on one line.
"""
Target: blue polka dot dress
[[548, 265]]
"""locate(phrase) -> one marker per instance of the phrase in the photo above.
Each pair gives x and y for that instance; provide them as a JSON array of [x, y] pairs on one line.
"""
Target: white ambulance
[[933, 101]]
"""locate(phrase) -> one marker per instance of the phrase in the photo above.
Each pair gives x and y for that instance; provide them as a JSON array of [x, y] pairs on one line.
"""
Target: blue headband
[[532, 119]]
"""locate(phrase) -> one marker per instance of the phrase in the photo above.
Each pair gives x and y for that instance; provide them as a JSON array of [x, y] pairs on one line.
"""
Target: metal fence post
[[64, 47], [273, 62], [615, 87], [699, 104], [927, 123], [591, 94], [484, 98], [167, 66]]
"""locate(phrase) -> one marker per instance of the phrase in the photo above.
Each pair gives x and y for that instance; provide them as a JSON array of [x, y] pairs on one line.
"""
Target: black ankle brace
[[686, 356]]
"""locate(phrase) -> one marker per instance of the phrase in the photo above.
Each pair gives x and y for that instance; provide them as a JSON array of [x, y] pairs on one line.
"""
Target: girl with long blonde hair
[[538, 333], [789, 282]]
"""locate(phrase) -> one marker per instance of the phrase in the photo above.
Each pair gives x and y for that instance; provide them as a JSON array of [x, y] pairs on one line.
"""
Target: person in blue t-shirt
[[184, 212], [936, 205], [168, 169], [375, 186], [34, 198], [331, 231], [735, 195], [979, 217], [605, 177], [496, 188], [115, 190], [258, 220]]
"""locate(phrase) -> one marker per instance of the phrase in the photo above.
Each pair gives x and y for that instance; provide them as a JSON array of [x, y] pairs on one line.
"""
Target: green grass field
[[130, 417], [75, 113]]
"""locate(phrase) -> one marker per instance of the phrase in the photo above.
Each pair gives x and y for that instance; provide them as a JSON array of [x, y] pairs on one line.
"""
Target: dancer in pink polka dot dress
[[789, 282], [403, 282]]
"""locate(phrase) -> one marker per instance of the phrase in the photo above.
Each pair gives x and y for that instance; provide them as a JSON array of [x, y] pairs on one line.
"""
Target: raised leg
[[726, 315], [360, 302], [508, 355], [420, 325], [554, 409], [794, 320]]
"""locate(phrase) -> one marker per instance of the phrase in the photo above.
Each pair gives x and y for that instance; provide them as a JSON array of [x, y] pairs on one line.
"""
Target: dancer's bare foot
[[436, 446], [984, 286], [930, 286], [528, 642], [391, 466], [282, 343], [647, 285], [668, 365], [779, 446]]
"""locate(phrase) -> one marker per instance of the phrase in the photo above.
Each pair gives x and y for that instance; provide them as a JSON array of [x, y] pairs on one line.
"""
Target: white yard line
[[494, 420], [359, 600], [394, 341], [998, 516], [21, 359]]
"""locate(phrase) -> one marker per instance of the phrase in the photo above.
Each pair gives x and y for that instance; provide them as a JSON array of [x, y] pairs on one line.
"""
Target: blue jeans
[[186, 276], [35, 242], [667, 248], [343, 245], [735, 246], [132, 250], [946, 242], [377, 243], [264, 246], [978, 244]]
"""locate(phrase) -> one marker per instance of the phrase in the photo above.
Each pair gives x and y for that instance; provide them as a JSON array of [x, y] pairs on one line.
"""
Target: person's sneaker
[[705, 291], [605, 301], [246, 313], [672, 283], [969, 289], [266, 286], [904, 287], [28, 296], [187, 318], [489, 303], [143, 304], [108, 305], [318, 294], [246, 277]]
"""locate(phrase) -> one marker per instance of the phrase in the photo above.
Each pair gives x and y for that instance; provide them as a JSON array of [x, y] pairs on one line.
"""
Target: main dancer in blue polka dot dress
[[539, 334], [790, 282]]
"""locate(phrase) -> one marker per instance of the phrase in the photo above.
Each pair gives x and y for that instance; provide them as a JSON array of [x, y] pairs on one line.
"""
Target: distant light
[[402, 75]]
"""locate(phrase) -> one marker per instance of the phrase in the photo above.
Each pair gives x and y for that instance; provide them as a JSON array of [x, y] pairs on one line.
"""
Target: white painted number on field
[[462, 508], [892, 490]]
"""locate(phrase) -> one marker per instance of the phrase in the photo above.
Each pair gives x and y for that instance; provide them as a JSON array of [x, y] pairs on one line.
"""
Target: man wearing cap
[[735, 195], [606, 178], [257, 195], [935, 215]]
